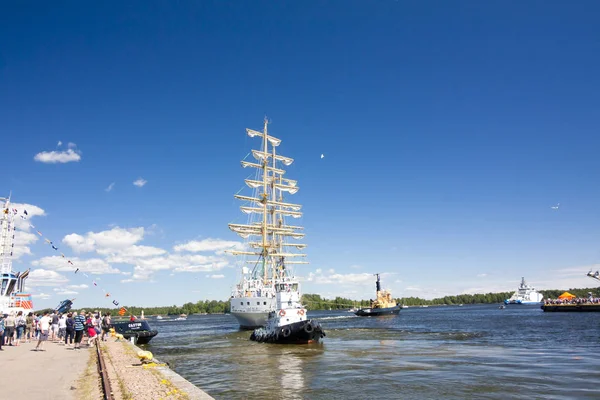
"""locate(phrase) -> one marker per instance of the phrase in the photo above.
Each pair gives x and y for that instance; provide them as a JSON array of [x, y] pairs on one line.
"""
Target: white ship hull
[[252, 312]]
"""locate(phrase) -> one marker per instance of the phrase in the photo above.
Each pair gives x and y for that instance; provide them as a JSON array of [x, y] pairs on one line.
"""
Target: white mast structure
[[271, 251], [7, 236], [12, 283]]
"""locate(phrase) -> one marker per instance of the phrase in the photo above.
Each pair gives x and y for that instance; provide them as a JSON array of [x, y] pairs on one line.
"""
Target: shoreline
[[130, 379]]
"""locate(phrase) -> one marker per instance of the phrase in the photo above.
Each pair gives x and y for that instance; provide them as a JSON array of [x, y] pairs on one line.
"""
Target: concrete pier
[[62, 373], [50, 374]]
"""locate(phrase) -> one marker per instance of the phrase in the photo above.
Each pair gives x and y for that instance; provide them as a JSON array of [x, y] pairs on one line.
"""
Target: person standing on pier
[[20, 324], [29, 328], [44, 323], [54, 332], [62, 328], [105, 327], [69, 330], [9, 328], [79, 327]]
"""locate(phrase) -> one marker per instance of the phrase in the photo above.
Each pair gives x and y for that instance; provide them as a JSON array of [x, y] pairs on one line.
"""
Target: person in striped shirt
[[79, 327]]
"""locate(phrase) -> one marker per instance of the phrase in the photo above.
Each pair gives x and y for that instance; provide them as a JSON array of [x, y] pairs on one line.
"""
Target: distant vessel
[[12, 298], [288, 324], [525, 294], [254, 296], [382, 305]]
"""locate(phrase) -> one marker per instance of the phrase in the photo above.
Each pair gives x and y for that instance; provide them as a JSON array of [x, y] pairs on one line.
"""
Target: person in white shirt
[[62, 328], [44, 328]]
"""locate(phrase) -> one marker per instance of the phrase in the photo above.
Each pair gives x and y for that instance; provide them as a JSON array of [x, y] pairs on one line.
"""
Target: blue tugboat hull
[[139, 329], [373, 312]]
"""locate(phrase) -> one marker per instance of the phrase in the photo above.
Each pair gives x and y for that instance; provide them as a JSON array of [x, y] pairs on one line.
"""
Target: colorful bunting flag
[[122, 311]]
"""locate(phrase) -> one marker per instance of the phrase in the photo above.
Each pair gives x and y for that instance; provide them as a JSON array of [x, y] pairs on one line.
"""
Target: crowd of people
[[68, 329], [574, 300]]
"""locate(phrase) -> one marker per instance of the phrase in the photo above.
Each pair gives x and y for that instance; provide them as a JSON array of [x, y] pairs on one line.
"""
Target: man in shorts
[[44, 328], [54, 332]]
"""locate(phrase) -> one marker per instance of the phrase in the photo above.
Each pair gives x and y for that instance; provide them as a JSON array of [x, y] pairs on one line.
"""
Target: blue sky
[[449, 129]]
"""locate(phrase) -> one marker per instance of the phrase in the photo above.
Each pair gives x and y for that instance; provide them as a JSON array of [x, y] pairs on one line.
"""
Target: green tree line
[[316, 302]]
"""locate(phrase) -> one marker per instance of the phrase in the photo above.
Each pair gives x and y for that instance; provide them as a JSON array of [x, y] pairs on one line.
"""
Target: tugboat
[[288, 324], [383, 305], [139, 330]]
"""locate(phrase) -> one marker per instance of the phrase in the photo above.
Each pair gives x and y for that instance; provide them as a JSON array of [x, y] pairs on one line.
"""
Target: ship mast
[[7, 236], [264, 199], [272, 228]]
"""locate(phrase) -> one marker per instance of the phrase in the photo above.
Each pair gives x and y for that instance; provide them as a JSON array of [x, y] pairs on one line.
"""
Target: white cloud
[[213, 266], [43, 277], [59, 143], [140, 274], [32, 212], [219, 276], [64, 291], [54, 157], [132, 252], [119, 246], [71, 145], [95, 266], [42, 296], [82, 286], [207, 245], [481, 275], [104, 242], [110, 187], [22, 241], [318, 277], [140, 182]]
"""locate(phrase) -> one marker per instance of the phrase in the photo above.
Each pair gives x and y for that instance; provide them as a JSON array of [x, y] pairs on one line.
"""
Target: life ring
[[286, 332], [282, 313], [308, 328], [300, 312]]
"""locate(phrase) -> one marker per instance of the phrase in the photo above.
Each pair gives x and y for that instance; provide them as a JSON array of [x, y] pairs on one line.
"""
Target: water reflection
[[292, 378]]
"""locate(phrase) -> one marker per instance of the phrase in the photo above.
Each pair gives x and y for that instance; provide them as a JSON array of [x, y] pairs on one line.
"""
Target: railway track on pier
[[105, 383]]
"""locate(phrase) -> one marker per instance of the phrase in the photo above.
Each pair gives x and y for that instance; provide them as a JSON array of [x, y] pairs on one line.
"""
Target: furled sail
[[253, 184], [286, 188], [273, 140], [253, 165], [295, 207]]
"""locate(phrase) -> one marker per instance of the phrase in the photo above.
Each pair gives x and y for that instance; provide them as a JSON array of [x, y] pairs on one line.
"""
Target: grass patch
[[88, 385]]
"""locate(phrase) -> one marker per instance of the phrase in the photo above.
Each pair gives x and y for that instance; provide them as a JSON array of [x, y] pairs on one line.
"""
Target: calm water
[[424, 353]]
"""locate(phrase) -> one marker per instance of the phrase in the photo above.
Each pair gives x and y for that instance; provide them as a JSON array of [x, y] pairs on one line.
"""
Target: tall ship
[[12, 296], [525, 294], [270, 251], [383, 304]]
